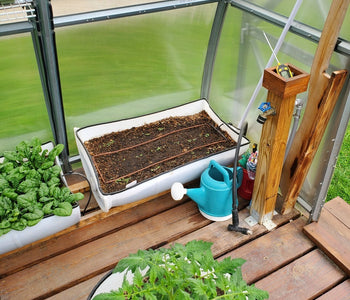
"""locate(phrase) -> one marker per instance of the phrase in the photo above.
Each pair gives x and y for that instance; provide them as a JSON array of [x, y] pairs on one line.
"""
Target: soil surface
[[139, 153]]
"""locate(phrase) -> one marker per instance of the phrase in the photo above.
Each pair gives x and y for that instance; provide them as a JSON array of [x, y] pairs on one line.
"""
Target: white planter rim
[[161, 182], [148, 179]]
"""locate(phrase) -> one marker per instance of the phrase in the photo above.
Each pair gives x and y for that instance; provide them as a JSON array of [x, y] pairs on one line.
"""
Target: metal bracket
[[252, 220]]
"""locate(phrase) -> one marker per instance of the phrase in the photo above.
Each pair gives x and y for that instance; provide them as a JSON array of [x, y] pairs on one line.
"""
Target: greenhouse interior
[[272, 75]]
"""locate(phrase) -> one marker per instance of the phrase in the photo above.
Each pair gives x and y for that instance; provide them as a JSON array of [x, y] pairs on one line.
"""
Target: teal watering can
[[214, 196]]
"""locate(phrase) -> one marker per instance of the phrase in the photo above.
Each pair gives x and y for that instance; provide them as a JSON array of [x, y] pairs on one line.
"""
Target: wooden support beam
[[281, 96], [297, 166]]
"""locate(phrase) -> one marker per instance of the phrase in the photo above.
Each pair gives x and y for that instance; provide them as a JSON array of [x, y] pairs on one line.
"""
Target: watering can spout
[[196, 194], [214, 196]]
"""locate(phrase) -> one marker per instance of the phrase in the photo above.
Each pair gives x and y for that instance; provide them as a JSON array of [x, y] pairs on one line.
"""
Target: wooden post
[[281, 95]]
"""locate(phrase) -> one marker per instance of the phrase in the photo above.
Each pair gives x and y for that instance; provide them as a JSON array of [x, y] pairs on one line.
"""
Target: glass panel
[[130, 66], [242, 56], [23, 112], [319, 9], [64, 7]]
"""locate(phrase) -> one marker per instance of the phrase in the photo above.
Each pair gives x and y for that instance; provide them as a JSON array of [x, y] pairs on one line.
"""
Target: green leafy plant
[[30, 187], [182, 272], [123, 180]]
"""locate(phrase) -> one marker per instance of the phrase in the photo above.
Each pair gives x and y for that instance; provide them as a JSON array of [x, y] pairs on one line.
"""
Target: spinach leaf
[[47, 208], [11, 156], [3, 184], [33, 222], [26, 200], [73, 198], [65, 193], [55, 171], [36, 214], [15, 178], [54, 181], [27, 185], [55, 152], [35, 142], [6, 167], [5, 224], [5, 203], [19, 225], [63, 209], [45, 199], [23, 150], [43, 190], [47, 164], [10, 193], [55, 192], [33, 174]]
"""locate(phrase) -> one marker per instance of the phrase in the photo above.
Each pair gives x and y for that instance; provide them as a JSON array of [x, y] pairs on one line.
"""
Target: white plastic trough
[[163, 181], [47, 226]]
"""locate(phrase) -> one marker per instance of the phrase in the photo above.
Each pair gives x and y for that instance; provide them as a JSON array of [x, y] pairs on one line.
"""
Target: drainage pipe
[[296, 118], [235, 219]]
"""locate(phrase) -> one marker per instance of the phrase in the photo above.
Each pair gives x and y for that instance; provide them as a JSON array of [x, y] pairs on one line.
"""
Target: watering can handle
[[222, 170]]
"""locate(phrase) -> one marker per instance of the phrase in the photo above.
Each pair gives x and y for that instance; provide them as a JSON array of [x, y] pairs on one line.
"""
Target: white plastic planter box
[[163, 181], [47, 226]]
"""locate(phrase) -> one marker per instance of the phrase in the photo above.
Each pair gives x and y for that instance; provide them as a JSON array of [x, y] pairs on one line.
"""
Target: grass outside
[[340, 185]]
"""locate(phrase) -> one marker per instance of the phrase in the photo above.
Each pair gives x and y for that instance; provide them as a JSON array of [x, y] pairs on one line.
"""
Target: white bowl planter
[[111, 282], [159, 183], [179, 270], [47, 226]]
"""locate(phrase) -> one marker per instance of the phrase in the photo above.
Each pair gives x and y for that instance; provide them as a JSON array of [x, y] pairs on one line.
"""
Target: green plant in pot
[[182, 272], [31, 187]]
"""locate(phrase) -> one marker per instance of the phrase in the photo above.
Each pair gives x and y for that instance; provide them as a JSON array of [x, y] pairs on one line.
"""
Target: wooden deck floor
[[285, 262]]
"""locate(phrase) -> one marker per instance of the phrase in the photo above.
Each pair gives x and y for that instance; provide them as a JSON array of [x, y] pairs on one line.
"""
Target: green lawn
[[340, 185]]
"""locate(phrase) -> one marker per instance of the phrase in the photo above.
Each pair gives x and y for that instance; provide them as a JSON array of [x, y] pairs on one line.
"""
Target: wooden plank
[[224, 240], [82, 187], [215, 232], [340, 292], [333, 237], [300, 157], [272, 251], [80, 291], [90, 228], [273, 140], [82, 263], [305, 278], [340, 209]]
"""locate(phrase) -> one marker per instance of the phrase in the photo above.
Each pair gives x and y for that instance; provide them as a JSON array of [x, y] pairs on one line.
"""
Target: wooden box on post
[[281, 96]]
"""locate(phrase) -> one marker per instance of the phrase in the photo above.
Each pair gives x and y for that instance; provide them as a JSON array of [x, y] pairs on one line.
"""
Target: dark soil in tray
[[140, 153]]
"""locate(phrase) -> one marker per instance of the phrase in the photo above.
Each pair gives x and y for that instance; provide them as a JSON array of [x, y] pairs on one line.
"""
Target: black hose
[[235, 219], [90, 194]]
